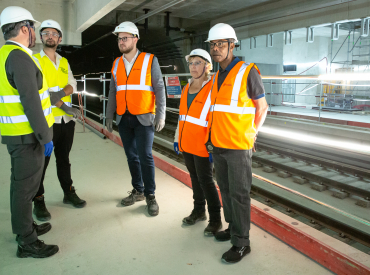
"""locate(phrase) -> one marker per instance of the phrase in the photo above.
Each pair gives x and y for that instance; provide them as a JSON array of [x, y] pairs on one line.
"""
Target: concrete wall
[[60, 10], [305, 55]]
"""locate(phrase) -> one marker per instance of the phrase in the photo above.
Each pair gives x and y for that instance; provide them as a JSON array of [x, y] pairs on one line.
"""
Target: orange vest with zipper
[[231, 119], [134, 92], [193, 121]]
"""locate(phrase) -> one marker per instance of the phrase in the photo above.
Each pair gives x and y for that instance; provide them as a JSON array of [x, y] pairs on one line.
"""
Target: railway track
[[345, 177]]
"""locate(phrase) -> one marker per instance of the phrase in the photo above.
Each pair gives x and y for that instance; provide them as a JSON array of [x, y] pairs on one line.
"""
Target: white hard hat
[[222, 31], [50, 24], [200, 52], [127, 26], [14, 14]]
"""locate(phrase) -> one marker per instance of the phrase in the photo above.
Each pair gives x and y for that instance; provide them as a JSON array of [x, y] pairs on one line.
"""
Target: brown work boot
[[133, 197]]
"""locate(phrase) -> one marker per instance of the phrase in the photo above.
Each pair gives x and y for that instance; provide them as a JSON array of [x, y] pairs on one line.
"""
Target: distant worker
[[137, 95], [238, 110], [25, 124], [189, 139], [59, 77]]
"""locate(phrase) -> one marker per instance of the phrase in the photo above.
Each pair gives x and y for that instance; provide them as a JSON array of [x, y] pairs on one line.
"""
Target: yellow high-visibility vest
[[56, 79], [13, 120]]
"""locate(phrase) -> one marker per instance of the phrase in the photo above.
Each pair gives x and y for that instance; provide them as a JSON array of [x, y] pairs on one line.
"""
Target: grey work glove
[[109, 122], [159, 124], [71, 111], [56, 96]]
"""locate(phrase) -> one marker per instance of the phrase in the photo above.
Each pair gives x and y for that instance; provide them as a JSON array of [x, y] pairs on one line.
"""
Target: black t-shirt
[[255, 86]]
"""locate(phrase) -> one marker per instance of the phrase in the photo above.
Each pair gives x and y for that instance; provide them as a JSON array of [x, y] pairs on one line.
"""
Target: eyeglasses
[[196, 64], [219, 44], [30, 25], [48, 34], [124, 39]]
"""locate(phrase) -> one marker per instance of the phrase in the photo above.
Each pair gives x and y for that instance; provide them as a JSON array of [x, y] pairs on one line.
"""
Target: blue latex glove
[[176, 147], [48, 148], [210, 158]]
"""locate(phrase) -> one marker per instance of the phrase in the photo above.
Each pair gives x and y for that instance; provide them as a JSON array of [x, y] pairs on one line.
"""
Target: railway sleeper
[[363, 202], [315, 225], [318, 186], [300, 180], [284, 174], [269, 169], [340, 194], [343, 238]]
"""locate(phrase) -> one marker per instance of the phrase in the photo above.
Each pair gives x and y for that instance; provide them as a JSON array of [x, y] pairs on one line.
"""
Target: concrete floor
[[105, 238], [324, 114]]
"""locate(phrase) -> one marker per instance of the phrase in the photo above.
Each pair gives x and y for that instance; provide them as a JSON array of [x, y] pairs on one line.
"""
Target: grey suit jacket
[[160, 98]]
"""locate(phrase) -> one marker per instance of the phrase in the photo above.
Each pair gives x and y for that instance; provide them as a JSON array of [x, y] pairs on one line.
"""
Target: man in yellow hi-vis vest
[[26, 123], [59, 77]]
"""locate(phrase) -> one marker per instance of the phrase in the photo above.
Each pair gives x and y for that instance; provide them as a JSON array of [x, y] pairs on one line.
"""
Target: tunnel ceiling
[[194, 9]]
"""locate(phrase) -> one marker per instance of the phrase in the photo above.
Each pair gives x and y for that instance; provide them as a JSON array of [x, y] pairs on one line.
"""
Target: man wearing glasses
[[238, 109], [137, 95], [59, 77], [25, 124]]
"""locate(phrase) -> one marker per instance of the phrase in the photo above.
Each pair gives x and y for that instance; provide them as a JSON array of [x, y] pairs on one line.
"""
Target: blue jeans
[[137, 141]]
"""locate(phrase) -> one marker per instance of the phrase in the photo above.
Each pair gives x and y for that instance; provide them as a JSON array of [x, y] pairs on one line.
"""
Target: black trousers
[[27, 163], [204, 189], [63, 134], [234, 177]]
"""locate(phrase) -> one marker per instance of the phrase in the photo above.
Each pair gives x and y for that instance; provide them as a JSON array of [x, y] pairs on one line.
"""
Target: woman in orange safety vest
[[189, 139]]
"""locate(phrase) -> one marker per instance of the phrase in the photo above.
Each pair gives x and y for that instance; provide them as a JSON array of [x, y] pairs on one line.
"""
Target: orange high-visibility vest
[[193, 121], [134, 92], [231, 119]]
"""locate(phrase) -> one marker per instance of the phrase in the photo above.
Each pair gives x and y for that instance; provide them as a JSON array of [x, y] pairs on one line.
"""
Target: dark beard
[[128, 50], [50, 45]]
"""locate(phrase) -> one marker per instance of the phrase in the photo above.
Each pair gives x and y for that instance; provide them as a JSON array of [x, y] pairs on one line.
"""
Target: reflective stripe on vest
[[202, 120], [16, 98], [134, 87], [13, 120], [232, 113], [193, 121], [20, 119], [57, 78], [233, 107], [127, 98], [144, 70]]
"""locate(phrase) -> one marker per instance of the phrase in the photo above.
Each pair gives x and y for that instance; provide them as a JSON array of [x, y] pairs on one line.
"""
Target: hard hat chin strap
[[204, 69], [228, 50], [29, 36]]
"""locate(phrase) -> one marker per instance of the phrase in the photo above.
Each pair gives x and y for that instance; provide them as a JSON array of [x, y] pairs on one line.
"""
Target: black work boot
[[212, 228], [222, 236], [235, 254], [37, 249], [134, 196], [153, 208], [194, 217], [40, 229], [39, 209], [70, 197]]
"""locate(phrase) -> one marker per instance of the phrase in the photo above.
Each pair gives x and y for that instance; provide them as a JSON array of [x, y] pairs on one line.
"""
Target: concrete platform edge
[[303, 242]]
